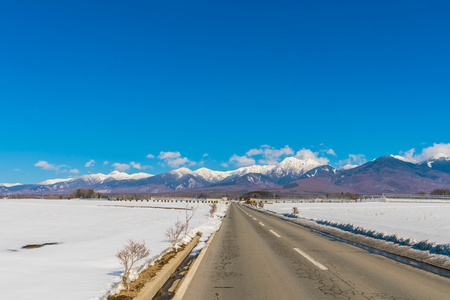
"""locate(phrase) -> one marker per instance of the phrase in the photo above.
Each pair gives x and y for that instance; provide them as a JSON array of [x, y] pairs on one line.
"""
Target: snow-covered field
[[89, 233], [415, 221]]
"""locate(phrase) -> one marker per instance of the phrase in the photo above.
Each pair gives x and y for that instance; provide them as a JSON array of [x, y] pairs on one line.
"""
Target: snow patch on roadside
[[424, 251], [206, 229], [426, 245]]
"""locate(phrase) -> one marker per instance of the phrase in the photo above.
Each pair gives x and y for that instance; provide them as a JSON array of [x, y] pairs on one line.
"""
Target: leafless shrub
[[295, 210], [213, 209], [130, 254], [261, 204], [190, 212], [173, 233]]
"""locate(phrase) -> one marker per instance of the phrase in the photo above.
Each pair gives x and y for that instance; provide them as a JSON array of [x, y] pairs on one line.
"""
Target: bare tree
[[213, 209], [173, 233], [189, 216], [130, 254], [295, 210]]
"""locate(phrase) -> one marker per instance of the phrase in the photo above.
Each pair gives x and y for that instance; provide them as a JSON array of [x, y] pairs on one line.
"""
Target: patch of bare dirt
[[34, 246]]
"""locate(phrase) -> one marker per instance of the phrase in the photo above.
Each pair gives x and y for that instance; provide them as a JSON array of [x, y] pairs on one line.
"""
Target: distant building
[[215, 199]]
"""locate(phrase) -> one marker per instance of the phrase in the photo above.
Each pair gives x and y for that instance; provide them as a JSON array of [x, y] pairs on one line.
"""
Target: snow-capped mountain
[[53, 181], [258, 176], [289, 168], [439, 163], [399, 157], [9, 184], [390, 174], [98, 178], [348, 167]]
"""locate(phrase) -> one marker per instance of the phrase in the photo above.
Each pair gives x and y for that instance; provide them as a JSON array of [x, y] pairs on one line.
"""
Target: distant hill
[[387, 174]]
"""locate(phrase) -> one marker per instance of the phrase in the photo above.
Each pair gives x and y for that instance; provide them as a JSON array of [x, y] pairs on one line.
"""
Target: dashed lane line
[[275, 234], [312, 260], [261, 224]]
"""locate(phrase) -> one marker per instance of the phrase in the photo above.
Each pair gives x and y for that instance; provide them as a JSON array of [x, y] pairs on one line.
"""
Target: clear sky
[[155, 85]]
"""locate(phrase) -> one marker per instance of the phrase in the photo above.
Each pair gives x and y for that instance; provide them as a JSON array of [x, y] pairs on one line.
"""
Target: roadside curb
[[153, 286], [191, 272]]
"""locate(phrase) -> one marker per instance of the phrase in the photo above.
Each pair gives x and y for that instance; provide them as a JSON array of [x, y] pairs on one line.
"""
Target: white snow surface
[[418, 221], [89, 233], [9, 184], [404, 159], [53, 181], [348, 167]]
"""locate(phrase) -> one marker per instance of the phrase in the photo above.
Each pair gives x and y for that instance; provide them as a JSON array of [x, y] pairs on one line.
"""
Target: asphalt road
[[255, 256]]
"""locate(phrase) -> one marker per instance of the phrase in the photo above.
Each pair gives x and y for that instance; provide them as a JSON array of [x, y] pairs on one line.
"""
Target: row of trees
[[86, 194], [440, 192]]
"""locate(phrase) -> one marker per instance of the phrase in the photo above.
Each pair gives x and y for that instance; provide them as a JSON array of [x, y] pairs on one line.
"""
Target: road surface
[[256, 256]]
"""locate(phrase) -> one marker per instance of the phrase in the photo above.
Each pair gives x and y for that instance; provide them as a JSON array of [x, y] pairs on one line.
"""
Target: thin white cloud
[[177, 162], [225, 165], [105, 162], [89, 163], [270, 155], [138, 166], [169, 155], [304, 154], [331, 152], [174, 159], [17, 170], [150, 156], [74, 171], [353, 160], [121, 167], [242, 161], [45, 165], [48, 166], [205, 155], [433, 152]]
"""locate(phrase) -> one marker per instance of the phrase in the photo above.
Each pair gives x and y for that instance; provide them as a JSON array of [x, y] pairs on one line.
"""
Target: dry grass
[[144, 277]]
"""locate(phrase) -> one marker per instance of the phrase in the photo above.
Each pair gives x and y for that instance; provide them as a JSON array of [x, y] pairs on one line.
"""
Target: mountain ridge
[[389, 173]]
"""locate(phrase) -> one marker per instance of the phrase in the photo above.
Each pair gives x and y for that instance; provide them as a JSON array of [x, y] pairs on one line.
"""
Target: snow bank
[[419, 230], [89, 233]]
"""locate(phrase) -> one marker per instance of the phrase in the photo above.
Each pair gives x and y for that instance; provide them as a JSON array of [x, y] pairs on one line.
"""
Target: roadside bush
[[213, 209], [295, 210], [190, 213], [130, 254], [173, 233]]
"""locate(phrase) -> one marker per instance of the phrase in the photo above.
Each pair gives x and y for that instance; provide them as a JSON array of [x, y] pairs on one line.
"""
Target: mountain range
[[387, 174]]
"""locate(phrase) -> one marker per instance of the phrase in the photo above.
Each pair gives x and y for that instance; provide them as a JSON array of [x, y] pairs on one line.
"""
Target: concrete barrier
[[156, 283]]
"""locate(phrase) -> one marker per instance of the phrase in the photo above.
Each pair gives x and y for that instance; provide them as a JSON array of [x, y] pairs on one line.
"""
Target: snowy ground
[[89, 233], [415, 221]]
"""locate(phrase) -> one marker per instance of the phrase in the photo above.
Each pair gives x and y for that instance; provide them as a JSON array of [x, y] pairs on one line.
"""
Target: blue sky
[[199, 83]]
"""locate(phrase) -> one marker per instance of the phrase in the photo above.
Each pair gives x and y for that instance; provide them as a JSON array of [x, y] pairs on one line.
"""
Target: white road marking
[[262, 224], [315, 262], [276, 234], [254, 219]]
